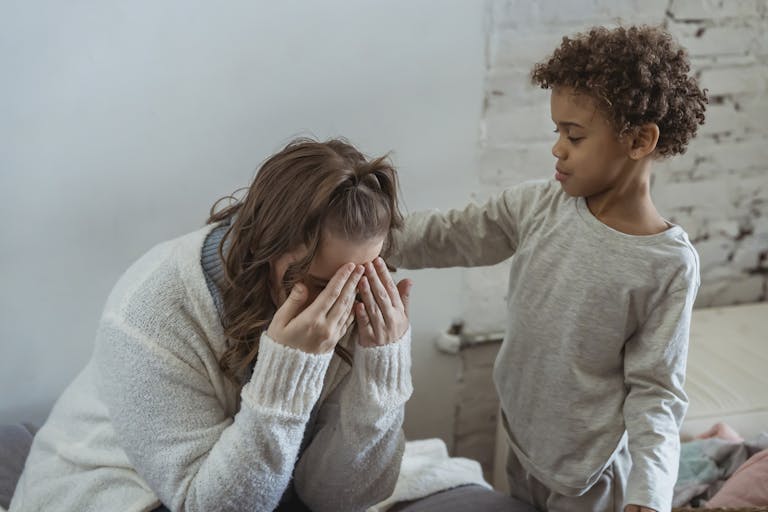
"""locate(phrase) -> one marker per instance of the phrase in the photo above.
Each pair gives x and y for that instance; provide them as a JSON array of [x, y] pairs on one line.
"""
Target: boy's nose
[[557, 150]]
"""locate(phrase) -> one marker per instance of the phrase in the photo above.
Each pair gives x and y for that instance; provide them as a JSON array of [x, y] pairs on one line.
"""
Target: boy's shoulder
[[684, 254], [534, 194], [671, 257]]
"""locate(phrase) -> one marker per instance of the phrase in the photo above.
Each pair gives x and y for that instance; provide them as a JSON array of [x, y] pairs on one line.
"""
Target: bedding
[[726, 378], [748, 486], [16, 439], [426, 469], [463, 499], [707, 464]]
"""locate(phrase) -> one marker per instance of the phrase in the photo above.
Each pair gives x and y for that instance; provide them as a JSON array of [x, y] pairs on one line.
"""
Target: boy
[[601, 288]]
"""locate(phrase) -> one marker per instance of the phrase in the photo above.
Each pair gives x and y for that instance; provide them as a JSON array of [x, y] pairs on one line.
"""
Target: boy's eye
[[573, 140]]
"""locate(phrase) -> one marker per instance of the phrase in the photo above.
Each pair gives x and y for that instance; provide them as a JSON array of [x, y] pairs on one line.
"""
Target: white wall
[[122, 122]]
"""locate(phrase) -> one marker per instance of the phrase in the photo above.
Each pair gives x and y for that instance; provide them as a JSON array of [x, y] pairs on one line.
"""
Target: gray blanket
[[15, 441]]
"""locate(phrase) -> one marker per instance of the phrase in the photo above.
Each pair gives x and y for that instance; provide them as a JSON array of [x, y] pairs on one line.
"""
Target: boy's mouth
[[560, 175]]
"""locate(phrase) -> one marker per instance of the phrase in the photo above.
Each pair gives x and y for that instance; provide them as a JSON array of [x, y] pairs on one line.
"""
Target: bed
[[727, 377]]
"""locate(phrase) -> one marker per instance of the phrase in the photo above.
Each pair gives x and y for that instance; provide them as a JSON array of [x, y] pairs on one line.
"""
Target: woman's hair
[[308, 189], [637, 75]]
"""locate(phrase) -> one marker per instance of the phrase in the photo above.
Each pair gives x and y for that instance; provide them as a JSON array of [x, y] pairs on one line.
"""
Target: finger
[[327, 298], [350, 319], [386, 279], [346, 299], [292, 305], [404, 291], [348, 323], [364, 328], [380, 294], [372, 310]]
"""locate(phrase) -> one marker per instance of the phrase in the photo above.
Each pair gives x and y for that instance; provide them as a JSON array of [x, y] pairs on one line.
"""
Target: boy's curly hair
[[637, 74]]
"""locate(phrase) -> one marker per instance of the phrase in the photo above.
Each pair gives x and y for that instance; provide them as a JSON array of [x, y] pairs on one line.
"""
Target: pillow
[[15, 441], [747, 486]]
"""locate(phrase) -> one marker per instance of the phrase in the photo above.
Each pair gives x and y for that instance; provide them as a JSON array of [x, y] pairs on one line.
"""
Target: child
[[601, 287]]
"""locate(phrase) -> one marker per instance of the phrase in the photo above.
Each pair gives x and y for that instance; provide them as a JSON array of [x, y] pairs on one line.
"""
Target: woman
[[213, 384]]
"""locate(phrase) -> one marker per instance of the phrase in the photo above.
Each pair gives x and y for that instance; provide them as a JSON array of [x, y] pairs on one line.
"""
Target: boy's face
[[590, 157]]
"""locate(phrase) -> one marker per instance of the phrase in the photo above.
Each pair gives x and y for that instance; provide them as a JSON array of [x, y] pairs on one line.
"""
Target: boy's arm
[[480, 234], [654, 373]]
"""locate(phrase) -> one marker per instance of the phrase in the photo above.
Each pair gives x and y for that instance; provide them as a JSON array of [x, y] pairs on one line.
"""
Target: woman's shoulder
[[164, 286]]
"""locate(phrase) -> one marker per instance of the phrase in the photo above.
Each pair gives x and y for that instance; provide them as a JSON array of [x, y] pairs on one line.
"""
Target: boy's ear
[[644, 141]]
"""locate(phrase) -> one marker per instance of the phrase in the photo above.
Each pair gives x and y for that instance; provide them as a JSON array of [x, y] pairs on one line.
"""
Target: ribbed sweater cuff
[[286, 379], [386, 369]]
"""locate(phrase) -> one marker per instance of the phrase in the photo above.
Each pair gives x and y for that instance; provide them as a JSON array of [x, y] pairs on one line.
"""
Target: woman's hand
[[382, 317], [321, 325], [637, 508]]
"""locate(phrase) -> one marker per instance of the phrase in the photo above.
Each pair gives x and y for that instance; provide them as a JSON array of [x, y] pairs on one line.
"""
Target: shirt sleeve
[[180, 439], [479, 234], [654, 371], [353, 459]]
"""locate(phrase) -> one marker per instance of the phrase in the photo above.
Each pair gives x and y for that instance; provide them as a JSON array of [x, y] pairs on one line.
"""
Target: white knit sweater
[[152, 418]]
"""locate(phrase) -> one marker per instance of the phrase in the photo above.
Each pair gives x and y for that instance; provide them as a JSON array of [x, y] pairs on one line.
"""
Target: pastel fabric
[[747, 487]]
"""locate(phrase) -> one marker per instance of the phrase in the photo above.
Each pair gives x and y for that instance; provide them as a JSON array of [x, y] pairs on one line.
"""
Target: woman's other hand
[[321, 325], [382, 316]]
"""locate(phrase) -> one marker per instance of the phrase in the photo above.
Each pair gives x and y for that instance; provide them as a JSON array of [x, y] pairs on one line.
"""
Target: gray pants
[[606, 495]]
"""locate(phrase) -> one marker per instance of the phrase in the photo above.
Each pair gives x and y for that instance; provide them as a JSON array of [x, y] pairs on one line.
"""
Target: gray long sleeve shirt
[[596, 337]]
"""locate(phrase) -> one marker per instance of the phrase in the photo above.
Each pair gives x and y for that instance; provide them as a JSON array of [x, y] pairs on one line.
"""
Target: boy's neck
[[627, 206]]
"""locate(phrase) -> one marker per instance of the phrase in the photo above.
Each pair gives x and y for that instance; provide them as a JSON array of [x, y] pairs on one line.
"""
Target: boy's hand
[[382, 317], [319, 327], [637, 508]]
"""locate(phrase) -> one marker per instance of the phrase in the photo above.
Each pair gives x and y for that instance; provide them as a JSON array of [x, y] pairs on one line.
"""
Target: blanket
[[426, 469], [705, 465]]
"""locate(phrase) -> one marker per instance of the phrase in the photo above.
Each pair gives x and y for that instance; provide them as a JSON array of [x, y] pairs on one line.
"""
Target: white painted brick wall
[[710, 39], [735, 80], [717, 10]]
